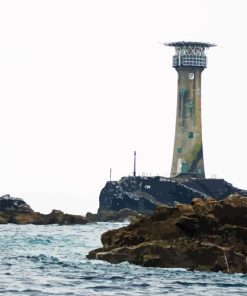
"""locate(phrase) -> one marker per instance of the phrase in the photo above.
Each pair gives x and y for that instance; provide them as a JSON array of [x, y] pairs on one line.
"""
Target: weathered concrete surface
[[188, 149], [207, 235], [144, 194], [15, 210]]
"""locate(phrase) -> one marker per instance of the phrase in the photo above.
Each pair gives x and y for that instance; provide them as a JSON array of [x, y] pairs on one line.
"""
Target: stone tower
[[189, 61]]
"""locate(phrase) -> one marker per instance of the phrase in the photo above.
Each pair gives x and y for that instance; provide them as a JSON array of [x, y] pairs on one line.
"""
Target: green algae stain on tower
[[189, 61]]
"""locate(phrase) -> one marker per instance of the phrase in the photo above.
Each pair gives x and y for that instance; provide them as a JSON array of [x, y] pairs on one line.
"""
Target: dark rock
[[116, 216], [15, 210], [144, 194], [8, 203], [92, 217], [207, 235]]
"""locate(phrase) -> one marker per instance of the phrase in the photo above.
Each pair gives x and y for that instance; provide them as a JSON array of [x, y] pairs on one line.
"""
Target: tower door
[[185, 167]]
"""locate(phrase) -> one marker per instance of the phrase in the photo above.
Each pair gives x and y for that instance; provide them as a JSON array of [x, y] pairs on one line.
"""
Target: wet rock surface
[[144, 194], [206, 235], [15, 210]]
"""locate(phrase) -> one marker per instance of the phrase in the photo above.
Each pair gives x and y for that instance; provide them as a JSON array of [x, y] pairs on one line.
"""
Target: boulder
[[207, 235]]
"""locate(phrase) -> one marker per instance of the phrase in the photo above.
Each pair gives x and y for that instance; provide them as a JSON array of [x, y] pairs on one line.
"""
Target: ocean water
[[51, 260]]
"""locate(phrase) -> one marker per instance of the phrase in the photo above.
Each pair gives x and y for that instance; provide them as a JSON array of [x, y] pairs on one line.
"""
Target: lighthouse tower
[[189, 61]]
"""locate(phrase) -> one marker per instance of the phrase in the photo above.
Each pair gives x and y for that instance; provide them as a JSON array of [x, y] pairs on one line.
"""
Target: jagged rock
[[144, 194], [207, 235], [13, 203], [116, 216], [15, 210]]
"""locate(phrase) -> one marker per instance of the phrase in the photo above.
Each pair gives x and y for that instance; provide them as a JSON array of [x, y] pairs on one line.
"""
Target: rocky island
[[15, 210], [206, 235], [133, 196]]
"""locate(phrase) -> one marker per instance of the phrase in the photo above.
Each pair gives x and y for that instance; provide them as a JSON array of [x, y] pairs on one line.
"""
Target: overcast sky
[[85, 83]]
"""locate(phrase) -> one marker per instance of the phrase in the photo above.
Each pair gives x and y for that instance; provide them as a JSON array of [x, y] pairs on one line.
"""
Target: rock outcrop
[[144, 194], [113, 216], [206, 235], [8, 203], [15, 210]]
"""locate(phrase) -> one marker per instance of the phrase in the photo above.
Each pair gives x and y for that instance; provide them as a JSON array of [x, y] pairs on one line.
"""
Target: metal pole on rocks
[[134, 173]]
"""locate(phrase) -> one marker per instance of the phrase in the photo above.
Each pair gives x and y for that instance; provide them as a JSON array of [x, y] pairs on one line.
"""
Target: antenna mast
[[134, 173]]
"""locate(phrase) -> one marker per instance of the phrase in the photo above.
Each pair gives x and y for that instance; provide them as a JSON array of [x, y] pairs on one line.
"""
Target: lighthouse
[[189, 61]]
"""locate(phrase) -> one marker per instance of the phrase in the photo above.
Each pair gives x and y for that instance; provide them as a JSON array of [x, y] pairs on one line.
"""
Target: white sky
[[85, 83]]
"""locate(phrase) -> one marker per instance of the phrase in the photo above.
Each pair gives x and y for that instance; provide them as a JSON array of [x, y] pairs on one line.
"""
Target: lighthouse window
[[191, 76], [179, 150], [190, 135]]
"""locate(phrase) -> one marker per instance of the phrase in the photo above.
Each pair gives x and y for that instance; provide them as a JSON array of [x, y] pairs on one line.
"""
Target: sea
[[51, 260]]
